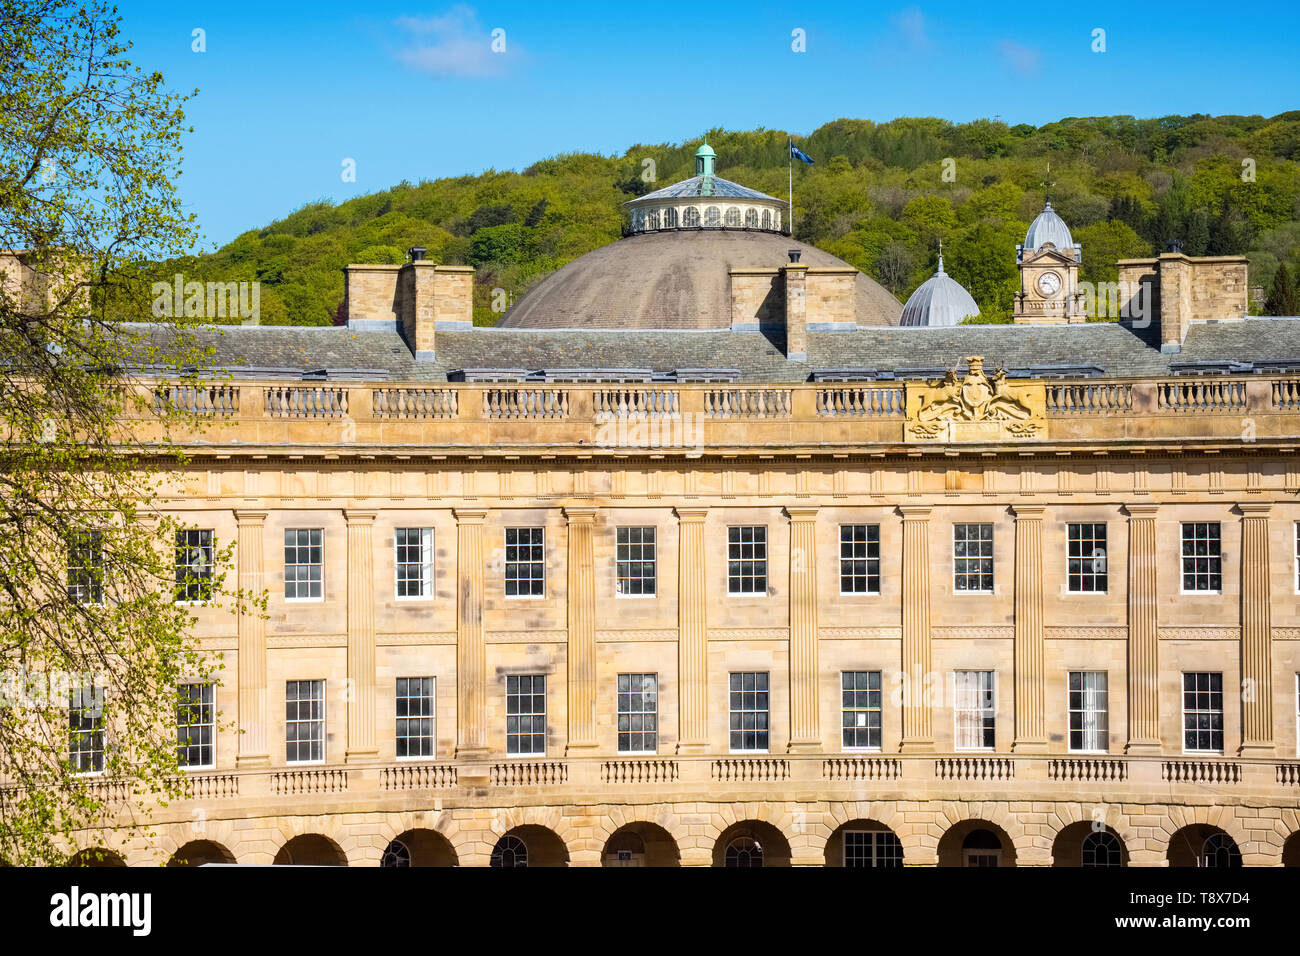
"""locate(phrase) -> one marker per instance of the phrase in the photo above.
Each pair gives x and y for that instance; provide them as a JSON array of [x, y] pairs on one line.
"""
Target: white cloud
[[1020, 58], [452, 44], [911, 26]]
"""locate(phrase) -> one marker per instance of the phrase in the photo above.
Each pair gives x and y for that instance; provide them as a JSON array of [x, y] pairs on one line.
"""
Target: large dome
[[673, 280], [939, 301]]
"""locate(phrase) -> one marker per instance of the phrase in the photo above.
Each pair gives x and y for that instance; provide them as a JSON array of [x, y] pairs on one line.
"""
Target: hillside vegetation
[[877, 198]]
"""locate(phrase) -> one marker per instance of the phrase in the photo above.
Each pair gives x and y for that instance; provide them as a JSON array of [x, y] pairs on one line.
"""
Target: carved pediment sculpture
[[976, 407]]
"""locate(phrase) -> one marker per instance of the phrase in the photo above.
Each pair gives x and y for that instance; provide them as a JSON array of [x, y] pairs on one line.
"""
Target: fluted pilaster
[[471, 653], [1256, 633], [1030, 676], [1143, 634], [805, 711], [253, 750], [692, 633], [582, 629], [918, 729], [361, 637]]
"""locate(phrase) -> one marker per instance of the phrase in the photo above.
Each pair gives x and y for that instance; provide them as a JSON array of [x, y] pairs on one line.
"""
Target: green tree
[[1282, 297], [93, 641]]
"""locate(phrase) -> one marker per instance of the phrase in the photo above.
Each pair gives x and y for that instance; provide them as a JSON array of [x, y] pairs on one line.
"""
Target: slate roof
[[698, 186], [1118, 351]]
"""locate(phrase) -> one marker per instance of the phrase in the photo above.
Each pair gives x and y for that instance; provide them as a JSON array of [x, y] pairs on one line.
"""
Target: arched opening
[[977, 843], [530, 845], [641, 844], [733, 216], [751, 843], [712, 216], [96, 856], [751, 218], [199, 852], [1291, 850], [419, 848], [1082, 844], [670, 218], [1203, 845], [864, 843], [310, 849], [767, 219], [691, 217]]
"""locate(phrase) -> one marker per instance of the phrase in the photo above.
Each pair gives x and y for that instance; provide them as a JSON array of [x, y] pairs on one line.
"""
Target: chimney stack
[[415, 299]]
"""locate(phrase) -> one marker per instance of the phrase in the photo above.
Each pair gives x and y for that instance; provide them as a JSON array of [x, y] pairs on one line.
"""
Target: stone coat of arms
[[976, 407]]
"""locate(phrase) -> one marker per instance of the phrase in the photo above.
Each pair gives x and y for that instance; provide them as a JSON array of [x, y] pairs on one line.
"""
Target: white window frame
[[653, 561], [1105, 558], [426, 578], [753, 545], [298, 564], [506, 562], [211, 705], [323, 721], [767, 711], [1182, 707], [432, 716], [620, 712], [531, 714], [86, 546], [992, 556], [879, 710], [1089, 694], [1183, 557], [76, 704], [875, 855], [868, 560], [991, 709], [208, 551]]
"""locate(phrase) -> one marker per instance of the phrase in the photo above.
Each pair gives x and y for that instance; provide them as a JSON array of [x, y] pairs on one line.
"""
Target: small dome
[[1048, 227], [939, 300], [705, 150]]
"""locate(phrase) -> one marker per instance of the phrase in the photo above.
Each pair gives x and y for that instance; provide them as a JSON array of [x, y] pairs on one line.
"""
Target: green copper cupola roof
[[704, 160]]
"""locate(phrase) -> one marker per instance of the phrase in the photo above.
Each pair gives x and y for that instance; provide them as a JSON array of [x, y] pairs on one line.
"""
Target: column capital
[[244, 516], [1028, 512], [1255, 509], [1141, 510], [580, 515], [915, 512], [802, 512], [469, 515], [353, 516], [691, 514]]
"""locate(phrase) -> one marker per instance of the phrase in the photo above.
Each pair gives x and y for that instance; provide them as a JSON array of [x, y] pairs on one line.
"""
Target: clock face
[[1049, 283]]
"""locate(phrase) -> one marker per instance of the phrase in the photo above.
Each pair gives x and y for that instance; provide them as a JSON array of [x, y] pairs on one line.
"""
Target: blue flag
[[797, 153]]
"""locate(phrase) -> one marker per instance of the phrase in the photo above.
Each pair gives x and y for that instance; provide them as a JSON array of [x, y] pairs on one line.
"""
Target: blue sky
[[288, 91]]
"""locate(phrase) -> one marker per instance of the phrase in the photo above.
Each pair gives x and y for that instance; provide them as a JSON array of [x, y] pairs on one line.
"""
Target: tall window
[[691, 218], [859, 559], [414, 562], [1087, 557], [972, 557], [196, 726], [751, 218], [638, 713], [1202, 561], [304, 721], [194, 565], [860, 707], [526, 714], [872, 848], [1203, 712], [747, 560], [304, 564], [1089, 728], [86, 729], [635, 561], [415, 721], [749, 712], [712, 216], [733, 216], [86, 567], [525, 562], [974, 710]]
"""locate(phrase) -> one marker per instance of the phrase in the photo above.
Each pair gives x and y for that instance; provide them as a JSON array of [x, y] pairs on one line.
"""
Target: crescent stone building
[[700, 557]]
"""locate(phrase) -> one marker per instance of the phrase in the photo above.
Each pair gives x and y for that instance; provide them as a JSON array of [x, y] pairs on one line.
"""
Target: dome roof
[[939, 300], [673, 280], [1048, 227]]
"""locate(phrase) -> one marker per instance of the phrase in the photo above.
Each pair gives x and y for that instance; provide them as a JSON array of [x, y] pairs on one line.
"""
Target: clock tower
[[1048, 261]]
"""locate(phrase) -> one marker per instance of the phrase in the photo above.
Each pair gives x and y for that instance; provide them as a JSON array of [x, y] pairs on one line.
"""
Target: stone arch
[[643, 843], [424, 847], [775, 847], [310, 849], [1065, 815], [1187, 846], [199, 852], [884, 813], [1291, 850], [1220, 817], [96, 856], [610, 820], [1068, 846], [779, 816], [975, 834], [885, 849], [544, 847]]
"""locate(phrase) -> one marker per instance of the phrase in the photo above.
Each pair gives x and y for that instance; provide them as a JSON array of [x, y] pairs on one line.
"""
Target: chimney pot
[[795, 254], [1175, 245], [416, 253]]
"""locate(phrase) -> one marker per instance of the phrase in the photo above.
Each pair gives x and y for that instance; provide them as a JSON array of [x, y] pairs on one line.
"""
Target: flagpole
[[789, 156]]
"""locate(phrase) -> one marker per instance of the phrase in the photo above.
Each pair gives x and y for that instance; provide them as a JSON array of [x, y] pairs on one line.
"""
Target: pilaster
[[1256, 633], [1143, 635], [471, 652], [361, 637], [805, 710], [253, 750], [582, 630], [692, 633], [1030, 677], [918, 729]]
